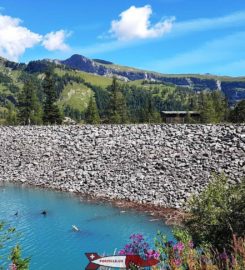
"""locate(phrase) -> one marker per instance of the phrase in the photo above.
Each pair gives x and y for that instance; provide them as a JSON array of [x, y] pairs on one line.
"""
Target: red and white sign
[[120, 261]]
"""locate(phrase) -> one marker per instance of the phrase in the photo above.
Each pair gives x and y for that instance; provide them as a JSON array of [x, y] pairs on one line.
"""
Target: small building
[[179, 117]]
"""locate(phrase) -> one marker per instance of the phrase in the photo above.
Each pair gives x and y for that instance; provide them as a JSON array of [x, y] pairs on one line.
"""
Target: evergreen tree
[[213, 107], [118, 112], [92, 115], [220, 105], [193, 102], [237, 115], [30, 111], [122, 109], [11, 117], [52, 114], [207, 108], [152, 115]]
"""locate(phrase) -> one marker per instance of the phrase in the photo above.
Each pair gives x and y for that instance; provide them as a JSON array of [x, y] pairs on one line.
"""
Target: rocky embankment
[[157, 164]]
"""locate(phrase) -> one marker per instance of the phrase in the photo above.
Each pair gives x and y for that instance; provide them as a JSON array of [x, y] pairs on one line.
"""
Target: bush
[[213, 236], [17, 262], [183, 255], [7, 234], [217, 214], [237, 115]]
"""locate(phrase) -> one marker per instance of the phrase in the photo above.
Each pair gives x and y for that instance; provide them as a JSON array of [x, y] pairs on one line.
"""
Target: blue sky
[[169, 36]]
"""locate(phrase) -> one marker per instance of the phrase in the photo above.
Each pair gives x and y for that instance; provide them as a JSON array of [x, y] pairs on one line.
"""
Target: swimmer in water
[[44, 213]]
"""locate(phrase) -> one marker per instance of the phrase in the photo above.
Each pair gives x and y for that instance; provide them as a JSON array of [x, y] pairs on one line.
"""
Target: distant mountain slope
[[77, 77], [233, 88]]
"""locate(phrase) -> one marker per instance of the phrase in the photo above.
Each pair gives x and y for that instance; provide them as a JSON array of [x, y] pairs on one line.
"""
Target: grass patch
[[87, 77], [76, 96]]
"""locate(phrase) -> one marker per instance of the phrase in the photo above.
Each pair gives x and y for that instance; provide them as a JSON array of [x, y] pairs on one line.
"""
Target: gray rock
[[157, 164]]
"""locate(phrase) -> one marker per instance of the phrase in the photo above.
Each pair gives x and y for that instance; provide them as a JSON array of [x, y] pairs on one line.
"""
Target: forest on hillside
[[43, 94]]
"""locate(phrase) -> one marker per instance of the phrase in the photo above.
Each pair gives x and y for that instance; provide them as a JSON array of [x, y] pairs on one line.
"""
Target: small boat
[[75, 228]]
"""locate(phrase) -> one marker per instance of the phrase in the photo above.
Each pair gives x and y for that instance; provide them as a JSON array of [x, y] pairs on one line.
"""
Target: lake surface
[[50, 241]]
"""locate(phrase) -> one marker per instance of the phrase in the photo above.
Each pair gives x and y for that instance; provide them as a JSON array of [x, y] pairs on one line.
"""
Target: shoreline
[[169, 216]]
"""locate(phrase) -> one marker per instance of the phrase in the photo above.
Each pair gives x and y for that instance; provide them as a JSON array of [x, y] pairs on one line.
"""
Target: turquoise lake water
[[50, 241]]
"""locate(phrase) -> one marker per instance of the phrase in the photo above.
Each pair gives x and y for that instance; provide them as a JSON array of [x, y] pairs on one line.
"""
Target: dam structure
[[154, 164]]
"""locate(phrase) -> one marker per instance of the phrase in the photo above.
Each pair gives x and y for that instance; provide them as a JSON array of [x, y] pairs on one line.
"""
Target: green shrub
[[8, 234], [217, 214], [17, 261]]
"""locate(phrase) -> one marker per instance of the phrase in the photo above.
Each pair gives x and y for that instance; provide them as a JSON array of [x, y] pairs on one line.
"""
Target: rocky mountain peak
[[80, 62]]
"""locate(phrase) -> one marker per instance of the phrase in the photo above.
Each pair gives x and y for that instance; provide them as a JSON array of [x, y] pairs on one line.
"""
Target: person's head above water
[[44, 212]]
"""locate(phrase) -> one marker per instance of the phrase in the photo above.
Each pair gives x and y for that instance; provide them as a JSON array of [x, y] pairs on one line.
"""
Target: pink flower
[[156, 255], [177, 262], [179, 246], [12, 266], [122, 252], [152, 254]]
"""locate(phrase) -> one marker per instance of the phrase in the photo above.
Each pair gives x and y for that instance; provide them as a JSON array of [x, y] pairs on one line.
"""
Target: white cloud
[[14, 38], [134, 24], [56, 41], [179, 29]]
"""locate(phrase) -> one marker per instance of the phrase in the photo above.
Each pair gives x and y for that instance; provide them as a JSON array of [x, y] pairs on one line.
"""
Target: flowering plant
[[12, 266], [183, 254], [138, 246]]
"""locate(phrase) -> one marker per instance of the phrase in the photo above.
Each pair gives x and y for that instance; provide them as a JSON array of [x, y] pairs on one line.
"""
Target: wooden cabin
[[179, 117]]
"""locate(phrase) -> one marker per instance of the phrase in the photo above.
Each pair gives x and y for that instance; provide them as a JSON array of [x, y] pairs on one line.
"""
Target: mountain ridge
[[111, 65], [232, 87], [76, 61]]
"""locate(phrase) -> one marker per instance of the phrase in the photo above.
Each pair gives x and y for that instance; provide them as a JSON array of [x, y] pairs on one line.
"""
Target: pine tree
[[237, 115], [122, 109], [51, 112], [213, 107], [11, 116], [208, 114], [92, 115], [118, 112], [152, 115], [30, 111], [220, 105], [114, 117]]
